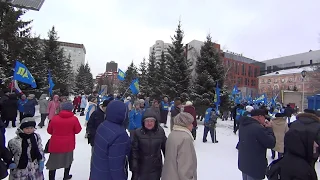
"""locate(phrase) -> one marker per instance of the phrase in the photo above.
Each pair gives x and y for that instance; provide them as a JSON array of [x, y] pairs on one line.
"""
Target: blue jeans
[[246, 177]]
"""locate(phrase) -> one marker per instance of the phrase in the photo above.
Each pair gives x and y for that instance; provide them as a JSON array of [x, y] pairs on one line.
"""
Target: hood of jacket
[[55, 98], [300, 143], [150, 112], [66, 114], [116, 112], [308, 118], [83, 96], [279, 121], [43, 96]]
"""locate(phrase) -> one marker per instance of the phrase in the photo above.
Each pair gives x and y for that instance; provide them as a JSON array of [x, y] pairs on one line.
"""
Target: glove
[[41, 166], [12, 166]]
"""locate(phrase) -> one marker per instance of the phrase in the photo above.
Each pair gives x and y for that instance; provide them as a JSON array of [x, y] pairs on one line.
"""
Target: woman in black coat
[[148, 142]]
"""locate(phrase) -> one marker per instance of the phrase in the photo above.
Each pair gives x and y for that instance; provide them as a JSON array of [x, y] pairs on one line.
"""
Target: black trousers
[[6, 122], [20, 116], [43, 119], [235, 126], [213, 134]]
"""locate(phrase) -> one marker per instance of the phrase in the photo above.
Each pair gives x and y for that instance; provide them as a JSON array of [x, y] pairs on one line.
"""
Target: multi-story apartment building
[[160, 47], [77, 53], [112, 66], [291, 61]]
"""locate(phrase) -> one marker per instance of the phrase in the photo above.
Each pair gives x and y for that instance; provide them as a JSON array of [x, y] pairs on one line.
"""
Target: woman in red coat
[[63, 128]]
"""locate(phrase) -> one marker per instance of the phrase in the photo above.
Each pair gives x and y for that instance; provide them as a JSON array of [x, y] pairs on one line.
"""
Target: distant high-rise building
[[160, 47], [112, 66], [77, 54]]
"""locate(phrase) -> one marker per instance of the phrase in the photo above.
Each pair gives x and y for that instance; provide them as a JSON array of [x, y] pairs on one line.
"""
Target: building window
[[242, 73], [310, 61], [301, 62], [269, 70]]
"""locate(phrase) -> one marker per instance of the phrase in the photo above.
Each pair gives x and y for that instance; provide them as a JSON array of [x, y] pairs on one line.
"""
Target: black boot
[[14, 123], [66, 173], [52, 175]]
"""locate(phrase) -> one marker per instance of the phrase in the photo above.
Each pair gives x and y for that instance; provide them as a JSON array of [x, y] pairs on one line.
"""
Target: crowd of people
[[128, 135]]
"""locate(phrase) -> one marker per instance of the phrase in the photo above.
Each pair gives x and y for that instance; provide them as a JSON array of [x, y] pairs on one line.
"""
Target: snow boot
[[67, 176], [52, 175]]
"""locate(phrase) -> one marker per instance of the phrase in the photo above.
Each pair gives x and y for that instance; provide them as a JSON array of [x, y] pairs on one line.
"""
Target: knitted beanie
[[27, 122], [183, 119], [68, 106]]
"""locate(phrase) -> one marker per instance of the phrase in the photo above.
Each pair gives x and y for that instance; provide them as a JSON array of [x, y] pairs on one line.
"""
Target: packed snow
[[215, 161]]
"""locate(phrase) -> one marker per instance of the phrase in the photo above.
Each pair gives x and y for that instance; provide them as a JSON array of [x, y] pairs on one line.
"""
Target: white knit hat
[[183, 119], [188, 103]]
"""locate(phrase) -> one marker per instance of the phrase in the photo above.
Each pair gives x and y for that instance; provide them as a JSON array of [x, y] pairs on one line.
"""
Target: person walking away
[[280, 127], [63, 141], [148, 143], [181, 159], [76, 103], [110, 159], [21, 102], [43, 109], [297, 160], [53, 107], [210, 121], [288, 111], [96, 118], [255, 137], [164, 109], [175, 110], [27, 151], [189, 108], [91, 108], [79, 103], [9, 110], [30, 106], [310, 121], [83, 104], [135, 118]]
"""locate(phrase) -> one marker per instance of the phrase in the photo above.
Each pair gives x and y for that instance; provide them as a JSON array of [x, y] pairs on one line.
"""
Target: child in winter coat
[[27, 152]]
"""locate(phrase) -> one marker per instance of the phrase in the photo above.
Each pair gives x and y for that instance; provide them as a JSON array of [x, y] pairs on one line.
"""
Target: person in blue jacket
[[135, 118], [30, 106], [239, 113], [164, 109], [111, 145], [210, 121], [21, 102]]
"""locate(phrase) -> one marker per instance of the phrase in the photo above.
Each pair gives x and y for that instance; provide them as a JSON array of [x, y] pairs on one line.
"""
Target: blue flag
[[134, 86], [217, 97], [235, 90], [22, 74], [121, 75], [51, 84]]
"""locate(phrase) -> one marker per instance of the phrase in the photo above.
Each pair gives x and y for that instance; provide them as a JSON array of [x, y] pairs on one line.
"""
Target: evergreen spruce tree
[[13, 35], [178, 66], [162, 74], [143, 76], [209, 70], [84, 79], [152, 75], [131, 74], [57, 62]]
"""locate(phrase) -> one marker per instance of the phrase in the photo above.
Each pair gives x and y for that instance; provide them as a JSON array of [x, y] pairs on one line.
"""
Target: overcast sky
[[124, 30]]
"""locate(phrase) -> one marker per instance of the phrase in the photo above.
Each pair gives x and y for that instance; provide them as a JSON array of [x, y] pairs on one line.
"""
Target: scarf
[[35, 153], [183, 129]]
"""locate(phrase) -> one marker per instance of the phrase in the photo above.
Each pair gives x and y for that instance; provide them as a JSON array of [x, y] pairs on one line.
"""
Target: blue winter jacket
[[207, 115], [135, 119], [164, 106], [30, 107], [239, 113], [21, 103], [111, 145], [83, 102]]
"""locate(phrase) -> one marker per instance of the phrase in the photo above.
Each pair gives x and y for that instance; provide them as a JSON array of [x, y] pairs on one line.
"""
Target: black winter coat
[[311, 123], [9, 108], [5, 155], [295, 165], [146, 158], [96, 118], [254, 140]]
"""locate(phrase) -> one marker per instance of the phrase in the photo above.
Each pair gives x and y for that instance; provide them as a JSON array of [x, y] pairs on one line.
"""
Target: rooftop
[[306, 56], [290, 71]]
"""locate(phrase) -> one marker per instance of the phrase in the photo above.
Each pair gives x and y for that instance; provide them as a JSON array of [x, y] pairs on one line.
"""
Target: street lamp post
[[303, 74]]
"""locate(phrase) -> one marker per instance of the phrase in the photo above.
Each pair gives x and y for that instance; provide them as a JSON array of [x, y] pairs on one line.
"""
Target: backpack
[[212, 120]]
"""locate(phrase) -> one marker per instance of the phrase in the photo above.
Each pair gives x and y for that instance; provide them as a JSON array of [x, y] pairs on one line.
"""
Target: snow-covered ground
[[215, 161]]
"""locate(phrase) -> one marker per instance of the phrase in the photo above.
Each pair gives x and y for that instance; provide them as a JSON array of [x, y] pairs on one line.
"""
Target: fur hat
[[68, 106], [27, 122], [183, 119], [188, 103]]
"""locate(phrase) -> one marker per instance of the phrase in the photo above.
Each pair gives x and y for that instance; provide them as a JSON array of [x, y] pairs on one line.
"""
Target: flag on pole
[[22, 74], [51, 84], [121, 75], [134, 86]]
